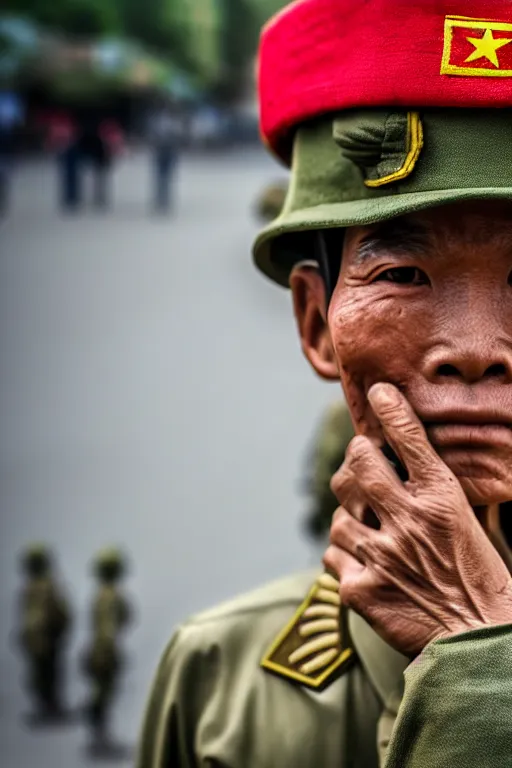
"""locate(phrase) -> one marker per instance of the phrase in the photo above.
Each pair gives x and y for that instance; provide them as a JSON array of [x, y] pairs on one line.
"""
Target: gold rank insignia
[[477, 48], [313, 648]]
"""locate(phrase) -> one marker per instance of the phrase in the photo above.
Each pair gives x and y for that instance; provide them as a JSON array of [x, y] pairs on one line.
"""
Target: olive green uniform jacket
[[266, 681]]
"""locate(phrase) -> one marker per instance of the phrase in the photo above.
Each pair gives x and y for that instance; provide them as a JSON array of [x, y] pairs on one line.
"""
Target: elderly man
[[396, 240]]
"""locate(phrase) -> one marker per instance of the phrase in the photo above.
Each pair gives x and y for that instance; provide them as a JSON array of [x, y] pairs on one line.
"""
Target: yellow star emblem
[[486, 47]]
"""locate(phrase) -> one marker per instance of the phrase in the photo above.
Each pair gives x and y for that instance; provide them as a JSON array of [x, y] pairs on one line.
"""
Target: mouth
[[469, 428], [469, 435]]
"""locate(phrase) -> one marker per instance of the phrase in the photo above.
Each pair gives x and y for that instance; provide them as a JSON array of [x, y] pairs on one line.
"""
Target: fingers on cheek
[[393, 411], [408, 439]]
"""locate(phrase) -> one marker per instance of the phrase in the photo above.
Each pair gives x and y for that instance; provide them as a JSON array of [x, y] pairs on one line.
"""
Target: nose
[[470, 359]]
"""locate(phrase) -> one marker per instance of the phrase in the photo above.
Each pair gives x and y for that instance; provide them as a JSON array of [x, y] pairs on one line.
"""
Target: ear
[[308, 293]]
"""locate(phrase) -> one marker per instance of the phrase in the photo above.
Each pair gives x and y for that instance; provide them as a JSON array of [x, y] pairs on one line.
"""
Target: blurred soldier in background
[[325, 458], [103, 658], [271, 201], [44, 624]]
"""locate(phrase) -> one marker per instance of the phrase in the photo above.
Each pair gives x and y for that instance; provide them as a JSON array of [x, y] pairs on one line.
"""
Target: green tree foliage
[[77, 18], [151, 22], [264, 9], [156, 24], [170, 28], [242, 21], [238, 43]]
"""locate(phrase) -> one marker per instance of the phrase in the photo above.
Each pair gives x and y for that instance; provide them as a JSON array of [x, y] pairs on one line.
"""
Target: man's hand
[[430, 571]]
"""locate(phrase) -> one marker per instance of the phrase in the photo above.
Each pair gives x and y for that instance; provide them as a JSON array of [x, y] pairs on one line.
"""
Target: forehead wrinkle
[[399, 236]]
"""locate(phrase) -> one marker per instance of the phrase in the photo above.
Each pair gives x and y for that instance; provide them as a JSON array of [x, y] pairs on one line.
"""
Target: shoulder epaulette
[[314, 648]]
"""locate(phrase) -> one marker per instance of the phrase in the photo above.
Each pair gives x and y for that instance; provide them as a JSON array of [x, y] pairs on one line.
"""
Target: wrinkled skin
[[429, 571], [424, 304]]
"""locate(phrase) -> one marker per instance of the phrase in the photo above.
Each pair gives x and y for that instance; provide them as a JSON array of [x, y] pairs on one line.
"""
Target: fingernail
[[383, 395]]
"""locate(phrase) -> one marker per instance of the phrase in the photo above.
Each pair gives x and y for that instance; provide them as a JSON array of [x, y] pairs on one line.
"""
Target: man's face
[[425, 302]]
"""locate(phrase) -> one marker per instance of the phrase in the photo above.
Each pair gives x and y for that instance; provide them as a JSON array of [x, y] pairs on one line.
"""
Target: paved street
[[152, 394]]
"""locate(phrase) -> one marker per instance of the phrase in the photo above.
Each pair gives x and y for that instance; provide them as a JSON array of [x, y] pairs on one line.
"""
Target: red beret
[[320, 56]]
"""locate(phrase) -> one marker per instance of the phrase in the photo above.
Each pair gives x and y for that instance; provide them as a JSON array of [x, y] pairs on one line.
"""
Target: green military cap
[[109, 555]]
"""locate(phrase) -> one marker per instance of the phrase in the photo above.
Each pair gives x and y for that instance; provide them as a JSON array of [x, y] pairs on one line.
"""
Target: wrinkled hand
[[430, 570]]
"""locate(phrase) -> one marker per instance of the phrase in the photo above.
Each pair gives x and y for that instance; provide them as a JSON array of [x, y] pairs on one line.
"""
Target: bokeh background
[[153, 394]]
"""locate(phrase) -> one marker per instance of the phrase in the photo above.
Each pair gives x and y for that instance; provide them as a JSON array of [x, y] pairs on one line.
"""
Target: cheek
[[375, 339]]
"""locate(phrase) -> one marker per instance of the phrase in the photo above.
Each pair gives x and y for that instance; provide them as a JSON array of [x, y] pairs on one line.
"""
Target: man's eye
[[404, 276]]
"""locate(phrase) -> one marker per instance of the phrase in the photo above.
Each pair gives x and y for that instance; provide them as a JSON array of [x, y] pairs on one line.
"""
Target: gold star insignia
[[486, 47]]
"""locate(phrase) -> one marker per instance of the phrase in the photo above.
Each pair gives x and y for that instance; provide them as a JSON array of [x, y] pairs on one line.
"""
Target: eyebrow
[[401, 237]]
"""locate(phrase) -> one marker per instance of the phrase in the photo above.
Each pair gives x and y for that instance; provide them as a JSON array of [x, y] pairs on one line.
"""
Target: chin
[[483, 490], [483, 493], [484, 482]]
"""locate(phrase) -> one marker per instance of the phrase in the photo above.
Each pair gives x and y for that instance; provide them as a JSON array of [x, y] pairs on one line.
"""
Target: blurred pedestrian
[[62, 141], [44, 622], [165, 133], [103, 658], [96, 144], [11, 117]]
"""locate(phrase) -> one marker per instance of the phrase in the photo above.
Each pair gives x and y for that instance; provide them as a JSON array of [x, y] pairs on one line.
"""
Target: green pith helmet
[[270, 202], [332, 175], [330, 444], [109, 564], [36, 559], [370, 137]]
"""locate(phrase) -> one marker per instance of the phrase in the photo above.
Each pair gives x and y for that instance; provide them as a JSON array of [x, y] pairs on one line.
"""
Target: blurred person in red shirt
[[61, 140], [81, 142]]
